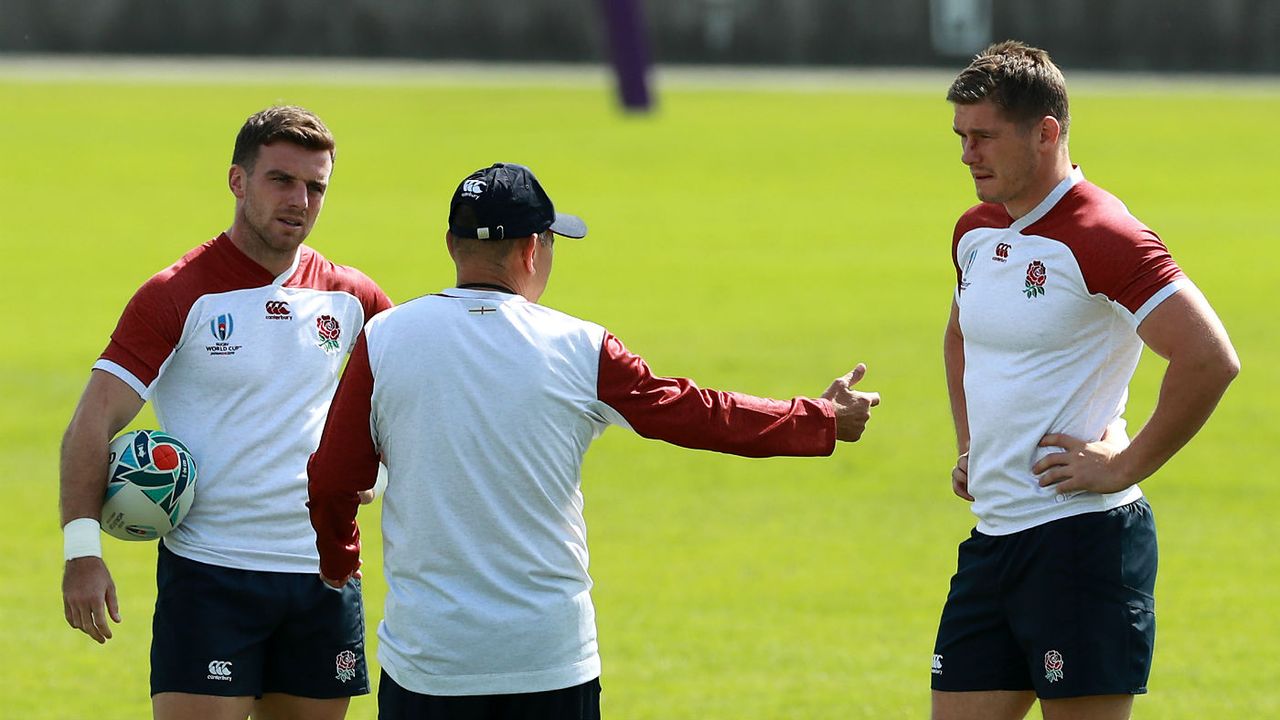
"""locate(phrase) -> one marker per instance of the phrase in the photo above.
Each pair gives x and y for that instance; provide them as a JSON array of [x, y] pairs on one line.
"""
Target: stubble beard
[[1015, 180], [271, 242], [1012, 182]]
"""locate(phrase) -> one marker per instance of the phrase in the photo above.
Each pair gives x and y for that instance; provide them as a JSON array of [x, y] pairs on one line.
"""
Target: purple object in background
[[629, 45]]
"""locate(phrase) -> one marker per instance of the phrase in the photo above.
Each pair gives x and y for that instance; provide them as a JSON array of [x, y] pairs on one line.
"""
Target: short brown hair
[[288, 123], [1021, 80]]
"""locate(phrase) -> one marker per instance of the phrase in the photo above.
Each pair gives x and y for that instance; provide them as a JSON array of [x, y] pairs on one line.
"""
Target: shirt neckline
[[252, 265], [481, 294], [1072, 179]]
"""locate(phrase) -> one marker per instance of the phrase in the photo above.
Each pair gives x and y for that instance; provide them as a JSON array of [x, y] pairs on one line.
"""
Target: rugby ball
[[151, 483]]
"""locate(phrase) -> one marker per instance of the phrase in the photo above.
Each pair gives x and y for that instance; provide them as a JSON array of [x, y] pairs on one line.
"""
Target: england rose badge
[[1036, 275], [328, 330]]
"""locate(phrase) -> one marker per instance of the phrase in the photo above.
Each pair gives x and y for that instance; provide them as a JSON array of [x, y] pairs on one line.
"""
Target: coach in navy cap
[[481, 403], [503, 201]]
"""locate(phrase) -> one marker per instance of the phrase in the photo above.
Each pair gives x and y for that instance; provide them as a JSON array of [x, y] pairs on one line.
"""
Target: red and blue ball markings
[[159, 465]]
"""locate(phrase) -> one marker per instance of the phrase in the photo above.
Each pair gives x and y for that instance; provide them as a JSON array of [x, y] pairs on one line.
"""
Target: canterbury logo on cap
[[472, 188]]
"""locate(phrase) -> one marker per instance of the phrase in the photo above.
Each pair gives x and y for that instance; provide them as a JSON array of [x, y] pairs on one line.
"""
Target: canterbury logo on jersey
[[278, 310], [1002, 252]]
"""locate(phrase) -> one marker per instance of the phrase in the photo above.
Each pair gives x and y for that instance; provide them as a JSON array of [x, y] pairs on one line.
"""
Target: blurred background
[[784, 212], [1133, 35]]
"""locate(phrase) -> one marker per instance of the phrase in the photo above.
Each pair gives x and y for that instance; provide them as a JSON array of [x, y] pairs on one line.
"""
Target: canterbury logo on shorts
[[220, 670]]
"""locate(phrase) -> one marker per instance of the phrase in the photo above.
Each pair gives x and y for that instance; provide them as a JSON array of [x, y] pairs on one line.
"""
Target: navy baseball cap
[[503, 201]]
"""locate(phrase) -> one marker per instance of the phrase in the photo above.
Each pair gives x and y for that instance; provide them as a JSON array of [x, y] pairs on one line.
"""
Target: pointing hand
[[853, 408]]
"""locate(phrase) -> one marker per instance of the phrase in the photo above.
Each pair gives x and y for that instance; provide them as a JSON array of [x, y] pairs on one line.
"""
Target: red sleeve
[[374, 301], [371, 297], [148, 331], [318, 272], [345, 463], [1118, 256], [1129, 270], [992, 215], [677, 411]]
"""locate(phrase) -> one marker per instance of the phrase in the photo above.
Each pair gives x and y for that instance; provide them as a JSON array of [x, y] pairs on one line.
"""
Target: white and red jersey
[[241, 366], [1049, 307], [482, 405]]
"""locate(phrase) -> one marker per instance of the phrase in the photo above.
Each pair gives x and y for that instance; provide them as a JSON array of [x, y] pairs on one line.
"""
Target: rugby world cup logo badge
[[964, 272], [1053, 666], [328, 330], [222, 327]]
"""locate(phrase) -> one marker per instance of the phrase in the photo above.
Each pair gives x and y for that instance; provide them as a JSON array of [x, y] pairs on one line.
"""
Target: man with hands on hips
[[1058, 288]]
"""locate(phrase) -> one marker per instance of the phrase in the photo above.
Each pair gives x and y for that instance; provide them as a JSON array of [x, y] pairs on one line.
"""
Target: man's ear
[[529, 248], [236, 178], [1050, 130]]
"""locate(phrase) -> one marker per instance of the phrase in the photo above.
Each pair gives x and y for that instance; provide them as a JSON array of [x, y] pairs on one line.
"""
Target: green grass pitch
[[758, 239]]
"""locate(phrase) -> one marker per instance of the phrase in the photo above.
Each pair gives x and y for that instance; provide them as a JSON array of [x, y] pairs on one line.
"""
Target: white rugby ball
[[151, 483]]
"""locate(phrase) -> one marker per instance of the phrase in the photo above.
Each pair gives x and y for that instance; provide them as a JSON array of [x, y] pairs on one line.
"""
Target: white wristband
[[81, 537], [380, 485]]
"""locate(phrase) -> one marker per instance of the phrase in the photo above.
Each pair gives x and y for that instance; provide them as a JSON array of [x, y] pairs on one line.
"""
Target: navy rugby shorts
[[1065, 609], [229, 632], [580, 702]]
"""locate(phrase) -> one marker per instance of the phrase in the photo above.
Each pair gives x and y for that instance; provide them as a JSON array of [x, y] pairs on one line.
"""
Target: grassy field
[[760, 239]]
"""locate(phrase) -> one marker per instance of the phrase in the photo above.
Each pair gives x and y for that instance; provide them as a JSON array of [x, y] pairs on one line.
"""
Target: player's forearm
[[105, 407], [736, 423], [337, 534], [677, 411], [1189, 393], [333, 498], [343, 465], [953, 359], [83, 470]]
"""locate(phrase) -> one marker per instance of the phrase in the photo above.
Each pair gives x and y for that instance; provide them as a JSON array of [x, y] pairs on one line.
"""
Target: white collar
[[482, 294], [293, 267], [1075, 176]]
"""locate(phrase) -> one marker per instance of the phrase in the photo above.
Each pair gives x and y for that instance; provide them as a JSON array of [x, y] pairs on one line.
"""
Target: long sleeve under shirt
[[482, 404]]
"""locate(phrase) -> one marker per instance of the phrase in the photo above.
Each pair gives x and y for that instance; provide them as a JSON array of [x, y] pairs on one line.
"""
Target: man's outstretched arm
[[677, 411]]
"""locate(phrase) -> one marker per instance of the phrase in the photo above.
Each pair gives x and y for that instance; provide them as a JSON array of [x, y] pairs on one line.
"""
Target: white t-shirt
[[482, 405], [240, 366], [1049, 308]]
